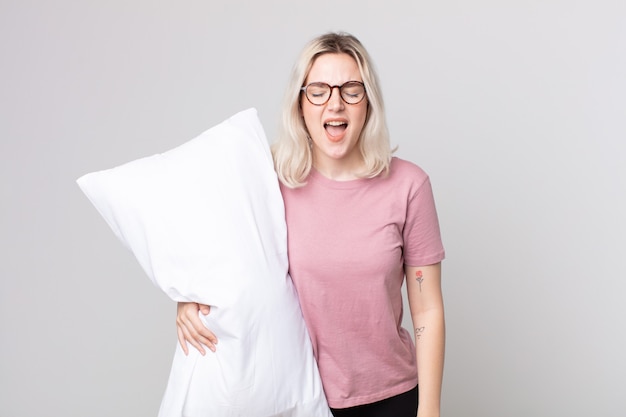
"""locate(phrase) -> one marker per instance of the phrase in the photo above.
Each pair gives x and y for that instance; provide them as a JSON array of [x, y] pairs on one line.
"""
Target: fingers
[[181, 340], [191, 329], [185, 336]]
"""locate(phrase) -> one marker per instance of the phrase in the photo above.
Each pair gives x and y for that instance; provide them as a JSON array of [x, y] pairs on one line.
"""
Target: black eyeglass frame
[[332, 87]]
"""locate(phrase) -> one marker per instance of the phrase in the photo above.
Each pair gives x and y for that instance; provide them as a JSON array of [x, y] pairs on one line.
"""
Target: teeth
[[333, 123]]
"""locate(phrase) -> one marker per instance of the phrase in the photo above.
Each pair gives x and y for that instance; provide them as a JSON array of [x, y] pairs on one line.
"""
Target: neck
[[339, 170]]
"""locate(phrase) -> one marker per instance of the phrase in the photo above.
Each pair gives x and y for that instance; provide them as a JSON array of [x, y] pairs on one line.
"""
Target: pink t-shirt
[[348, 242]]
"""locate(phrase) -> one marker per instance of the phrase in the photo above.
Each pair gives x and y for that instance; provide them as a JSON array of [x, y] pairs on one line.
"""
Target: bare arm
[[191, 329], [426, 304]]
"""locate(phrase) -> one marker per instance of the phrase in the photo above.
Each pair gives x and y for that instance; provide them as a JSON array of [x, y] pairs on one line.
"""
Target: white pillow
[[206, 222]]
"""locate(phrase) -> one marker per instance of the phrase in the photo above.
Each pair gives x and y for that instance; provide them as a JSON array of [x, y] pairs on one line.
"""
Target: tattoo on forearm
[[419, 331], [419, 278]]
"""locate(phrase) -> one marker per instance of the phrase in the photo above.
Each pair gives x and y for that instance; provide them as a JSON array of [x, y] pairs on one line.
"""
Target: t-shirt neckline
[[319, 178]]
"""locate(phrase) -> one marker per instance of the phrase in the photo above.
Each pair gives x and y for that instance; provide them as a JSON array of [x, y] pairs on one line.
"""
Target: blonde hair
[[293, 158]]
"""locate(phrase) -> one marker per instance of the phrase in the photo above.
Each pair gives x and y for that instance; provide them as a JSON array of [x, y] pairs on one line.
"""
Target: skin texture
[[427, 313], [191, 330]]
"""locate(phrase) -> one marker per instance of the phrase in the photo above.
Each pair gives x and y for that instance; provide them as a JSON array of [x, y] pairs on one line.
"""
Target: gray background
[[516, 109]]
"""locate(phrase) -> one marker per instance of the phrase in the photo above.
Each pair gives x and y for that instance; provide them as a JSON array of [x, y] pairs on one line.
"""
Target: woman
[[358, 221]]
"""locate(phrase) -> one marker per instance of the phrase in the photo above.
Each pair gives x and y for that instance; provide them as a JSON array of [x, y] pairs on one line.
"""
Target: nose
[[335, 102]]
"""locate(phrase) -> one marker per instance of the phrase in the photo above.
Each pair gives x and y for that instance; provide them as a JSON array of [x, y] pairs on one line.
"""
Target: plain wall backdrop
[[516, 109]]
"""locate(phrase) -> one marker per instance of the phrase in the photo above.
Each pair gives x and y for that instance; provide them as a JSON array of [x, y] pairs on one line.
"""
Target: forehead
[[334, 69]]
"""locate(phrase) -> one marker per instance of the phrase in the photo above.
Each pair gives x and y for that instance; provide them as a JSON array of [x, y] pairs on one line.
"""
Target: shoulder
[[405, 172], [407, 179]]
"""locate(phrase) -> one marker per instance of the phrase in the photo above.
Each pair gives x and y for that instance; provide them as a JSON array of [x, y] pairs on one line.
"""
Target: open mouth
[[335, 127]]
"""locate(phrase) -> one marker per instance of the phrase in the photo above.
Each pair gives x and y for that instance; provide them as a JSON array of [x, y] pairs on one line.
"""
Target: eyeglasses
[[318, 94]]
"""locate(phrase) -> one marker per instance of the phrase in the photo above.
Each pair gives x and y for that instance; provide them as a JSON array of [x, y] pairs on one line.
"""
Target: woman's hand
[[191, 329]]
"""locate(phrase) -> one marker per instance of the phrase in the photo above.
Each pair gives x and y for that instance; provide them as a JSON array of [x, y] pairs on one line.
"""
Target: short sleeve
[[421, 234]]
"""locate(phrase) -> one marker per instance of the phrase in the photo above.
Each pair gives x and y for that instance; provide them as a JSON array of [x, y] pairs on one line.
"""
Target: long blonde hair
[[293, 158]]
